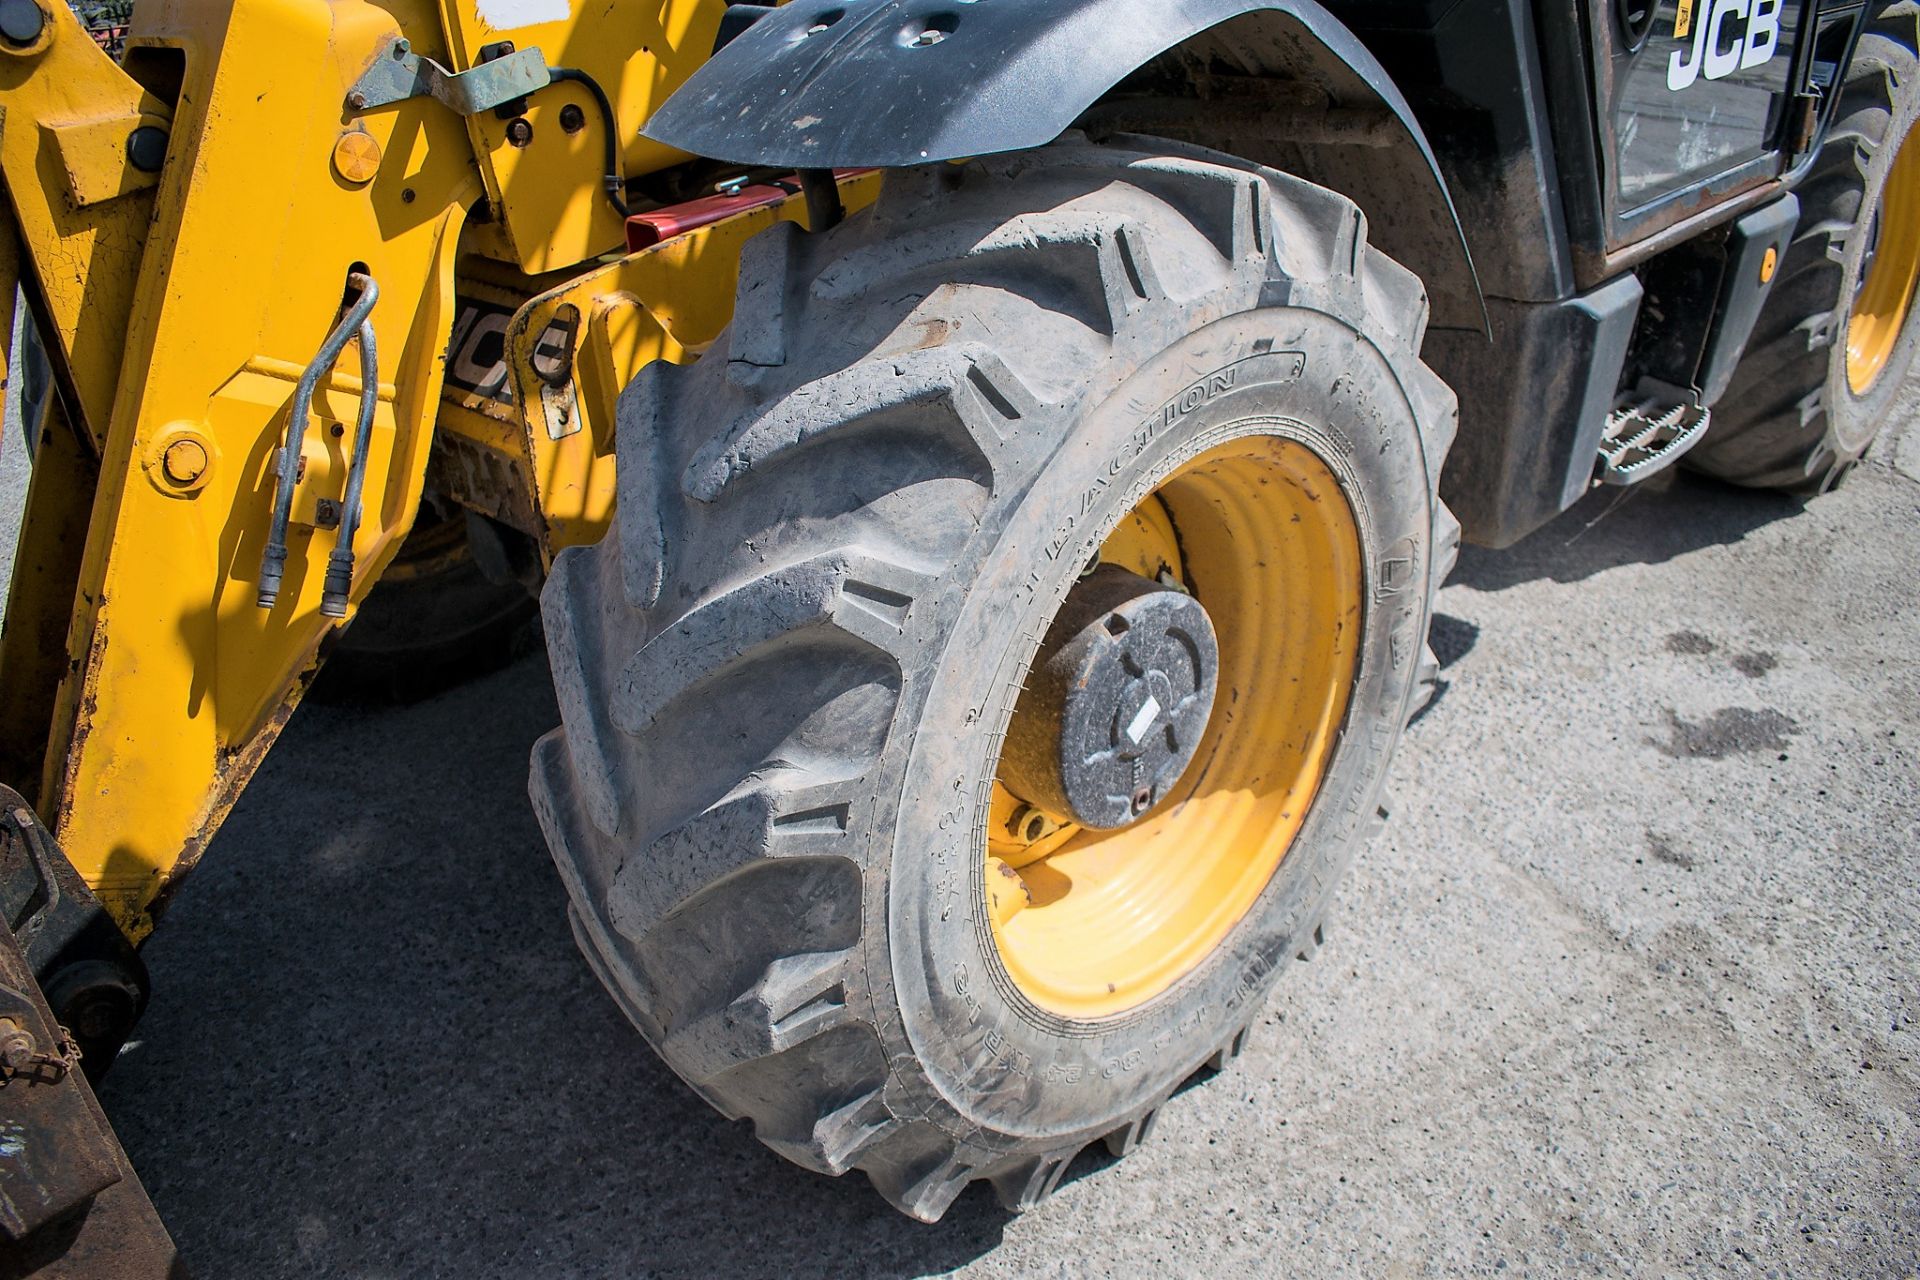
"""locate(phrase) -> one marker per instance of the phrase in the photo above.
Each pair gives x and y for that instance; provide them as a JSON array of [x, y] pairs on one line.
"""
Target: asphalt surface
[[1627, 988]]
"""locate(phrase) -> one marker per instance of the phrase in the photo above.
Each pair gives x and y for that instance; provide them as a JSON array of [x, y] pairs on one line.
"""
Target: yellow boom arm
[[190, 228]]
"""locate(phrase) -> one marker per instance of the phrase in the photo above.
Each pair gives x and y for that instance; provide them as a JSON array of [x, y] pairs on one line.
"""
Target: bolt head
[[147, 148], [21, 21], [185, 461], [16, 1045], [1028, 824]]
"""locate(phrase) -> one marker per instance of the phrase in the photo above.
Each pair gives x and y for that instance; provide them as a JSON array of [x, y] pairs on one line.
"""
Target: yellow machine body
[[181, 300]]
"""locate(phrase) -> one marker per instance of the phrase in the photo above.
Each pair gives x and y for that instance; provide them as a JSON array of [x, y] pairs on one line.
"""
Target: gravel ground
[[1626, 988]]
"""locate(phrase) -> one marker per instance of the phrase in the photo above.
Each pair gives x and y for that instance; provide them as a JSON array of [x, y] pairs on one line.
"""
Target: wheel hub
[[1121, 690], [1166, 747]]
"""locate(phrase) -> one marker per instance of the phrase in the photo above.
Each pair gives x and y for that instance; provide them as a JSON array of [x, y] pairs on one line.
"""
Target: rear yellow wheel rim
[[1885, 297], [1093, 923]]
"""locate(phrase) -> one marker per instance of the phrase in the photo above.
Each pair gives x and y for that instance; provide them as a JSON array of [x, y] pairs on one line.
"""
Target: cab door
[[1695, 98]]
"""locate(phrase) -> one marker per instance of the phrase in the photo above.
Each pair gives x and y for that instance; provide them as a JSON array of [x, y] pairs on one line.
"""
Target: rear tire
[[437, 619], [1793, 419], [784, 674]]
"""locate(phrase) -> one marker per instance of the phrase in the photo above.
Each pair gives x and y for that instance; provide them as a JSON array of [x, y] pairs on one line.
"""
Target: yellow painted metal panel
[[93, 155], [64, 84], [180, 682], [548, 193], [172, 682]]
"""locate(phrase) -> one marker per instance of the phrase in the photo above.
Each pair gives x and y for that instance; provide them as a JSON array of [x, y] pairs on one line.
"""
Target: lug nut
[[1030, 825]]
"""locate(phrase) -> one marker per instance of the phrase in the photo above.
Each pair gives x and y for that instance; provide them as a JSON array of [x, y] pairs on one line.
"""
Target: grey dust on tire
[[1046, 415]]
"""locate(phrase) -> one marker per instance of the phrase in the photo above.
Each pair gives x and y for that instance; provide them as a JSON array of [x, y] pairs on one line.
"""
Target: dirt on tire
[[839, 537]]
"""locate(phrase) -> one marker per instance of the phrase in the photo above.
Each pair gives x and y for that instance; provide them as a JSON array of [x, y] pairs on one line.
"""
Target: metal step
[[1646, 437]]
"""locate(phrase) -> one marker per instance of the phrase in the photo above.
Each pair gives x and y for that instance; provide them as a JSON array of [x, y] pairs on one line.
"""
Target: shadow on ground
[[1650, 523], [414, 1017]]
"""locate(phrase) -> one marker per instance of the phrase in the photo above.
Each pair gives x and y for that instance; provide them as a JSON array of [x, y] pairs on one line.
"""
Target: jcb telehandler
[[985, 466]]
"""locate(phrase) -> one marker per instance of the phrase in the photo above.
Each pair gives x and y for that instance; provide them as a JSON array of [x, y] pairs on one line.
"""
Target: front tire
[[786, 675]]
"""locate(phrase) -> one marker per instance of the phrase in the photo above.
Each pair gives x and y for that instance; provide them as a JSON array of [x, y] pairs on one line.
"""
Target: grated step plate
[[1647, 437]]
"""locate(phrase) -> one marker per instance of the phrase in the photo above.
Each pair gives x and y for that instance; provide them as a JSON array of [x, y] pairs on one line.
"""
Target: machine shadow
[[1650, 523], [374, 1050]]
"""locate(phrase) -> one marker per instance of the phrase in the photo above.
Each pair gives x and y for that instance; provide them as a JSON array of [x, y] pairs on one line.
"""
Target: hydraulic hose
[[610, 167], [273, 561], [333, 593]]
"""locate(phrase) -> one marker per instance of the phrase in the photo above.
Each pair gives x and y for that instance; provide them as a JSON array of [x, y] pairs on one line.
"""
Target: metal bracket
[[399, 73]]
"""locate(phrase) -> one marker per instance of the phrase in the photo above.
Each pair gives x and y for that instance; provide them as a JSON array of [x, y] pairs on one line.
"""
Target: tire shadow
[[374, 1050], [1451, 639]]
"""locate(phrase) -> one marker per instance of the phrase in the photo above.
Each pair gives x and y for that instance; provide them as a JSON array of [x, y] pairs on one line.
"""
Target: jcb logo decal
[[1719, 50], [477, 350]]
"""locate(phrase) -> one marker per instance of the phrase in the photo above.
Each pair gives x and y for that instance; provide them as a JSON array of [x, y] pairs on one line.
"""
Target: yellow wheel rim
[[1885, 296], [1093, 923]]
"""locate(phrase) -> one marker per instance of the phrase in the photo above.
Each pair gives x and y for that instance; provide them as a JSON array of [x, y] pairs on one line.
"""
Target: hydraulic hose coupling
[[333, 595], [273, 561], [273, 567]]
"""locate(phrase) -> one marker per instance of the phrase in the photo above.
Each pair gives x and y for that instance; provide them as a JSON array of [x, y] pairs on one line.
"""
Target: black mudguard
[[890, 83]]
